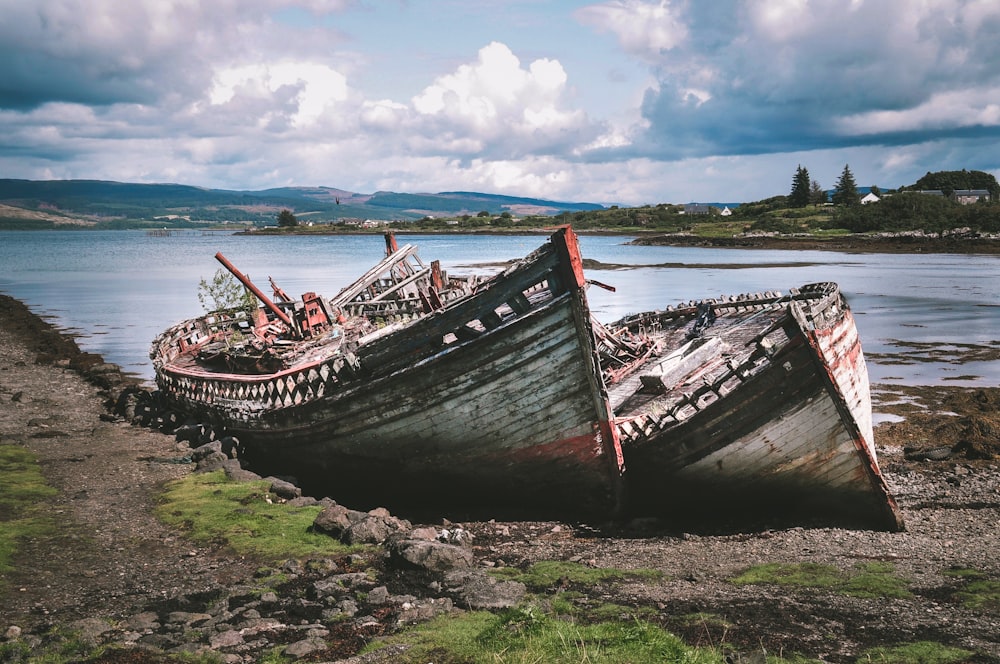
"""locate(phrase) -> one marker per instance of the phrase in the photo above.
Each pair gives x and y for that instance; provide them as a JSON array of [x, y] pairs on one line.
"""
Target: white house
[[869, 198]]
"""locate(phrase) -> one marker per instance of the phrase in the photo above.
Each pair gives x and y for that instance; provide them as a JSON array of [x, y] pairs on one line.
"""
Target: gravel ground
[[113, 557]]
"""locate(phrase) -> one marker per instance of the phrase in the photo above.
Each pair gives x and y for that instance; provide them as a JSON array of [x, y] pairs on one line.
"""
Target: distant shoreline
[[888, 244], [903, 244], [898, 244]]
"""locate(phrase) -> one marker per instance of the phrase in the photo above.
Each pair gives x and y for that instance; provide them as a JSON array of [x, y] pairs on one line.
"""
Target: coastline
[[874, 244], [897, 244], [113, 560]]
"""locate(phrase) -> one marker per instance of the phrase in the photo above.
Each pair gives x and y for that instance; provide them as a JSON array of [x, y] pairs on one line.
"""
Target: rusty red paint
[[253, 289]]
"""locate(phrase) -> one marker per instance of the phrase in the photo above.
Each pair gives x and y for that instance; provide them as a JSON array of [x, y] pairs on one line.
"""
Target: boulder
[[212, 461], [284, 489], [473, 589], [431, 556], [374, 529], [335, 519], [202, 451]]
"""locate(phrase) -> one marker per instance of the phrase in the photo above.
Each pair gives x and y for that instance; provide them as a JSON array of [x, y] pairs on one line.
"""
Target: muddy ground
[[112, 558]]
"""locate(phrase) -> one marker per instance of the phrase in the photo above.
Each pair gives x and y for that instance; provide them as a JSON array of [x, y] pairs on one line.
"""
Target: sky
[[628, 102]]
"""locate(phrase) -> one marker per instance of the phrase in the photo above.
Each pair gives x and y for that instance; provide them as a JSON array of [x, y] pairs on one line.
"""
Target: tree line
[[806, 191]]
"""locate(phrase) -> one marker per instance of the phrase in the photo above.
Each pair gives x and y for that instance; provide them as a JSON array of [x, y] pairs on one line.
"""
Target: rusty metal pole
[[282, 316]]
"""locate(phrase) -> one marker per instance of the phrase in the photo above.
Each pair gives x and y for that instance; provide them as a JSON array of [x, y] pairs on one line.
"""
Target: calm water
[[118, 289]]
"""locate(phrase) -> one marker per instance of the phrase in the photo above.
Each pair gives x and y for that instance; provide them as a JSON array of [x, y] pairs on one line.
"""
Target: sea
[[924, 319]]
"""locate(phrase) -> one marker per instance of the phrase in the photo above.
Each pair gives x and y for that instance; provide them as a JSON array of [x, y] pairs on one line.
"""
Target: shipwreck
[[505, 396]]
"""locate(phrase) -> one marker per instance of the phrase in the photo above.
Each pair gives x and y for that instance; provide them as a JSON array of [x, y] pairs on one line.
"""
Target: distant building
[[726, 211], [697, 208], [869, 198], [969, 196]]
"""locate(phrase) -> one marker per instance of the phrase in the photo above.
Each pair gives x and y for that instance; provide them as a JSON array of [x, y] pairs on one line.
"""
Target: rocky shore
[[115, 575]]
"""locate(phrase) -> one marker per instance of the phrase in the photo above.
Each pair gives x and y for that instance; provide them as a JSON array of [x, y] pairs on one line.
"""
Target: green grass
[[873, 579], [978, 592], [24, 511], [526, 634], [549, 573], [242, 516], [921, 652]]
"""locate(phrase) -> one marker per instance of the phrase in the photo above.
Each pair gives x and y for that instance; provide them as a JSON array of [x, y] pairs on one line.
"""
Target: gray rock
[[90, 630], [339, 584], [345, 608], [144, 622], [374, 529], [431, 556], [284, 489], [202, 451], [187, 619], [473, 589], [428, 533], [238, 473], [379, 595], [212, 461], [304, 647], [335, 519], [227, 639], [423, 610]]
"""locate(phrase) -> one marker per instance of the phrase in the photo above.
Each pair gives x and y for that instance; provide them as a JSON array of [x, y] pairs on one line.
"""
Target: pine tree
[[800, 188], [846, 191], [817, 195]]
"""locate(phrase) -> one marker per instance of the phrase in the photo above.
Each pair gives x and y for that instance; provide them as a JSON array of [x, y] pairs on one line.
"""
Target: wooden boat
[[755, 408], [411, 389], [505, 396]]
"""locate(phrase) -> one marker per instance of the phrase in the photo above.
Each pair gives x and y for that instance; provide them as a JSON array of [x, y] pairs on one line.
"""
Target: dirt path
[[110, 552]]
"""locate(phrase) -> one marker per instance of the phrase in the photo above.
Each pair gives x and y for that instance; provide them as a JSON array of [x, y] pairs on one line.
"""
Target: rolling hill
[[103, 204]]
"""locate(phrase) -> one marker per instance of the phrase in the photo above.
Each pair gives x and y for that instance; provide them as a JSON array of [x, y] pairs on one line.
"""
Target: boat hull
[[506, 423], [492, 405], [793, 443]]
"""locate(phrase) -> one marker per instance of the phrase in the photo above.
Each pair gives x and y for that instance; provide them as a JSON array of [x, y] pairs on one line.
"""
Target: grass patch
[[921, 652], [580, 607], [23, 497], [978, 592], [242, 516], [875, 579], [708, 621], [547, 574], [527, 634]]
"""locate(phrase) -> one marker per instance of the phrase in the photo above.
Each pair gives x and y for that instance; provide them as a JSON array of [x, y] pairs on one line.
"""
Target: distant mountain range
[[47, 203]]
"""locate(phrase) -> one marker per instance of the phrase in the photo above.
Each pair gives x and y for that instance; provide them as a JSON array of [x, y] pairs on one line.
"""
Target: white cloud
[[494, 103], [317, 87], [951, 109], [253, 93], [644, 28]]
